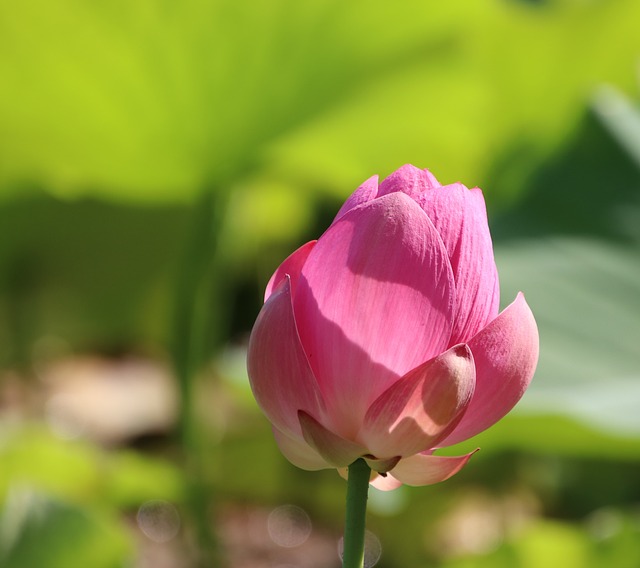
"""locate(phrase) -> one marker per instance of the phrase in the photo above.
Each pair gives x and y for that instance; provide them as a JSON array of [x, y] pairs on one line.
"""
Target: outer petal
[[299, 453], [427, 469], [409, 180], [279, 373], [385, 483], [333, 448], [422, 407], [366, 192], [375, 299], [506, 354], [292, 265], [460, 216]]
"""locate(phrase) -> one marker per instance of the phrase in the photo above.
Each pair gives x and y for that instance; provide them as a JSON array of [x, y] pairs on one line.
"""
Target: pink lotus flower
[[382, 339]]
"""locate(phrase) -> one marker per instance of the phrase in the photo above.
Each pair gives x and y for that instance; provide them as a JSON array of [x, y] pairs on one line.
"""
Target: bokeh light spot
[[289, 526], [604, 523], [372, 549], [158, 520]]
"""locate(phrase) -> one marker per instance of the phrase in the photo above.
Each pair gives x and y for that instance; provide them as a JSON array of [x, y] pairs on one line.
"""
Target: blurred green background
[[158, 159]]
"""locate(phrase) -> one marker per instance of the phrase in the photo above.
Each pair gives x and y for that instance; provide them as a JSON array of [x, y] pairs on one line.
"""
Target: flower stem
[[357, 492], [197, 330]]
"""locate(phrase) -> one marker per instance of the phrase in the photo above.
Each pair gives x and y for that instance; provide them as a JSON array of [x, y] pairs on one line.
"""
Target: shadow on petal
[[381, 465], [366, 312], [422, 407], [336, 450]]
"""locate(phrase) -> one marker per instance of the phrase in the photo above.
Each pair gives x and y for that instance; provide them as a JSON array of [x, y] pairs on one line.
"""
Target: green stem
[[196, 333], [357, 492]]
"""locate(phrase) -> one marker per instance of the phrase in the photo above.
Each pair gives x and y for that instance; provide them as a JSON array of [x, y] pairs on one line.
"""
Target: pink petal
[[427, 469], [292, 265], [409, 180], [505, 353], [375, 299], [299, 453], [333, 448], [460, 216], [385, 483], [366, 192], [422, 407], [279, 372]]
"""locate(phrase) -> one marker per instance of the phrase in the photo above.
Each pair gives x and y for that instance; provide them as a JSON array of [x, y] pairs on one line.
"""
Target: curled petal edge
[[291, 266], [427, 469]]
